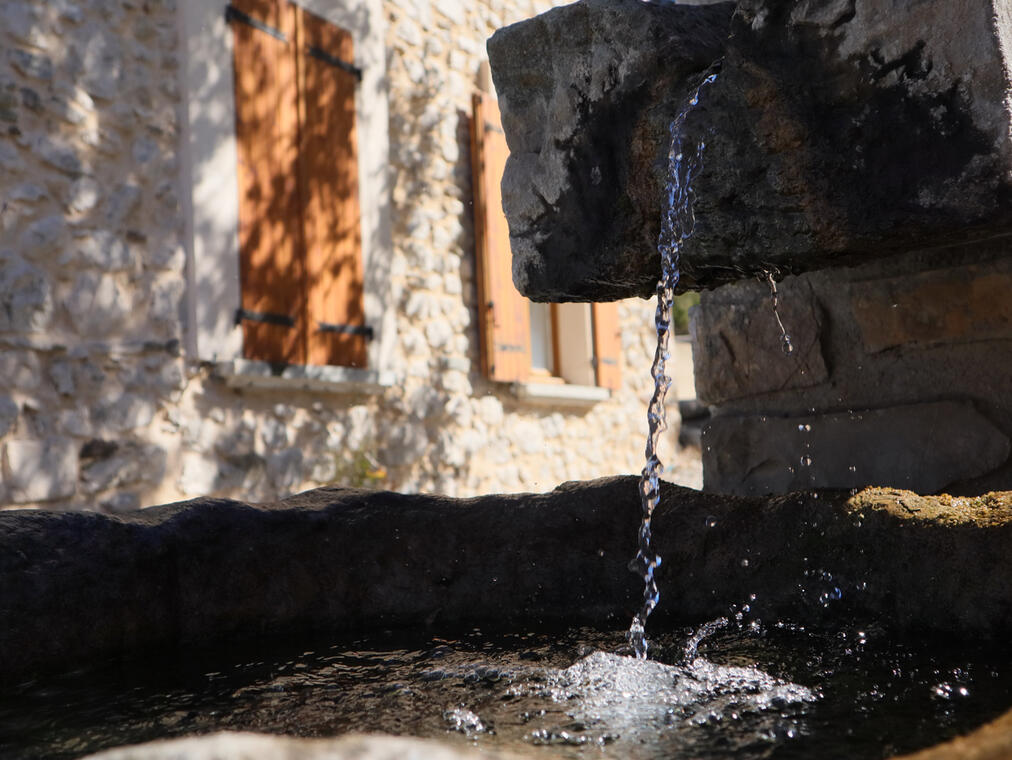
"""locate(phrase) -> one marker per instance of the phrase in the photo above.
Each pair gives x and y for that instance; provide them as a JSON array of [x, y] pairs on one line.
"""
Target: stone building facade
[[122, 382]]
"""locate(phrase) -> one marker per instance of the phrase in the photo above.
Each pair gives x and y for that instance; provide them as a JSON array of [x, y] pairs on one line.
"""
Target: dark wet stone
[[924, 446], [836, 132], [587, 93], [738, 347], [77, 587]]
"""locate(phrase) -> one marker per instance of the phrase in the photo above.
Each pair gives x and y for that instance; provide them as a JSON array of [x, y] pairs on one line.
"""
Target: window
[[523, 341], [543, 341], [296, 290], [300, 250]]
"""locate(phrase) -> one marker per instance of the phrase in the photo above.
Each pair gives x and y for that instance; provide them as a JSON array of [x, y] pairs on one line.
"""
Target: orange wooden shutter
[[328, 175], [503, 315], [270, 260], [607, 345]]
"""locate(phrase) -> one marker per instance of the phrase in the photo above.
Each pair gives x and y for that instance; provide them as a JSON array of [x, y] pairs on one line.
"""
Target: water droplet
[[806, 461], [804, 428], [785, 344], [744, 563], [711, 521], [852, 468], [943, 690]]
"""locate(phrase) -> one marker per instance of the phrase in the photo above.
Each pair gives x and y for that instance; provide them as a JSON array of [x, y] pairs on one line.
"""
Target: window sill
[[560, 393], [245, 373]]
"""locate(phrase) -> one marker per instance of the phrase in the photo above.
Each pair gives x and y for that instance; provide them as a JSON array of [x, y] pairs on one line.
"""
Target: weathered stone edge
[[992, 741], [249, 746]]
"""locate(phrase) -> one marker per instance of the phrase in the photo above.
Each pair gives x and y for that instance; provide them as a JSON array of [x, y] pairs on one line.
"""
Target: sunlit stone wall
[[102, 405]]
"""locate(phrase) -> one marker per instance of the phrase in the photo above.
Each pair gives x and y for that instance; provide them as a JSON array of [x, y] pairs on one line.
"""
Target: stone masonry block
[[737, 344], [26, 303], [40, 470], [921, 447], [9, 412], [940, 306]]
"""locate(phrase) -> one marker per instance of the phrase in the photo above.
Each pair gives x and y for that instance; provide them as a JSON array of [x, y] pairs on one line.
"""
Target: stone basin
[[78, 587]]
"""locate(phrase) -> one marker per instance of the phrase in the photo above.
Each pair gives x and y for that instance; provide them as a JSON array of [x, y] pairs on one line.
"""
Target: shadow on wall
[[91, 267]]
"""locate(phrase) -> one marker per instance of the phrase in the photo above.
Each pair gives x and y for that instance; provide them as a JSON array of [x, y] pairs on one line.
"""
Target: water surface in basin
[[751, 692]]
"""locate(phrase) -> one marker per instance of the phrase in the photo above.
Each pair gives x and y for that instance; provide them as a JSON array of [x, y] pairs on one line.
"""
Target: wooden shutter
[[270, 259], [300, 238], [328, 176], [607, 345], [503, 315]]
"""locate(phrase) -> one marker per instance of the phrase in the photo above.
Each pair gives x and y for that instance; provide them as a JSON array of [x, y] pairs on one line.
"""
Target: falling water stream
[[785, 339], [684, 162]]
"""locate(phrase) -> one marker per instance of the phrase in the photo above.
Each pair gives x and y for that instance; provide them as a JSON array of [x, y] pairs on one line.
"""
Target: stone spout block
[[838, 131], [587, 93]]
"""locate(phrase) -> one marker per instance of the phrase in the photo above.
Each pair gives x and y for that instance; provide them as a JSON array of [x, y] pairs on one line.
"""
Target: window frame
[[504, 314], [210, 197]]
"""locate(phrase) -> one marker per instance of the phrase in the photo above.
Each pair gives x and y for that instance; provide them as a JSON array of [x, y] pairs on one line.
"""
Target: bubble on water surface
[[466, 722]]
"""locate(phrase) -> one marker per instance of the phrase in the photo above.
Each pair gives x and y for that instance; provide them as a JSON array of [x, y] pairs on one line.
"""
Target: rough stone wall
[[484, 440], [99, 406], [90, 256]]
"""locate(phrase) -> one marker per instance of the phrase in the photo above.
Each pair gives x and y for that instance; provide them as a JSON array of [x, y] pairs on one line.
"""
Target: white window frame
[[210, 196], [575, 376]]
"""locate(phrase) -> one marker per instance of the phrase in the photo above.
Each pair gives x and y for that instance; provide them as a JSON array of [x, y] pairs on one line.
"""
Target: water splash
[[609, 697], [684, 162], [464, 721], [691, 650]]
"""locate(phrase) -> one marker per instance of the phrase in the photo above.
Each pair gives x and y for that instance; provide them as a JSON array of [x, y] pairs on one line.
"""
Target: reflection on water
[[750, 691]]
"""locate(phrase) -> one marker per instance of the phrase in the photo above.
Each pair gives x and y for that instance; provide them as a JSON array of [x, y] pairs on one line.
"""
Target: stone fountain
[[863, 142], [858, 155]]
